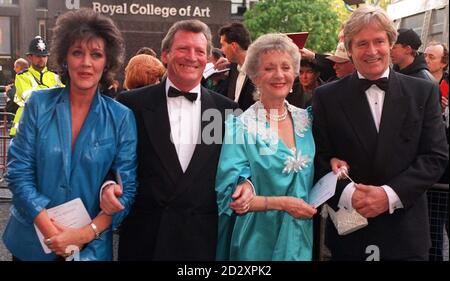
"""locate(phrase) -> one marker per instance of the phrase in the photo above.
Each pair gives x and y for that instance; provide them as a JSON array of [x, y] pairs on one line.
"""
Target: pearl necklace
[[276, 117]]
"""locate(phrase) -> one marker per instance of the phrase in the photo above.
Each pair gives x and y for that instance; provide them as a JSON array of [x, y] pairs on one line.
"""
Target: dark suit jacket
[[174, 216], [246, 97], [325, 66], [408, 154]]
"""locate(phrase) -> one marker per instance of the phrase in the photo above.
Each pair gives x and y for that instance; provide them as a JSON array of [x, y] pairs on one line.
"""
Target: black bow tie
[[382, 83], [173, 93]]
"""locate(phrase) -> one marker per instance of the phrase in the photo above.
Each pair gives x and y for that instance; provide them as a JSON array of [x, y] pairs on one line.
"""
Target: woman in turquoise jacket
[[68, 140], [271, 147]]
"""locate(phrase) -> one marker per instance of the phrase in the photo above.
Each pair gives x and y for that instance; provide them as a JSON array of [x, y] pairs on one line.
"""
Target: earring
[[64, 66], [256, 94]]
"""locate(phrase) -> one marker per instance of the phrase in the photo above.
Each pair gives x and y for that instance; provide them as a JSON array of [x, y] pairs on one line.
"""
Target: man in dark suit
[[235, 39], [386, 127], [175, 215]]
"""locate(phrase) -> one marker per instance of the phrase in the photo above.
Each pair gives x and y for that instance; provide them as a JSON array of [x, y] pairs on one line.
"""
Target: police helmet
[[38, 47]]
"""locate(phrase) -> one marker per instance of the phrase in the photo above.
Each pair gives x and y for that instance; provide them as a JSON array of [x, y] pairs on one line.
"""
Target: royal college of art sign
[[162, 9], [152, 10], [145, 22]]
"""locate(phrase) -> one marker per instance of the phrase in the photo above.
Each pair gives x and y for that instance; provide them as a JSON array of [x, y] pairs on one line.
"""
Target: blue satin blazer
[[44, 171]]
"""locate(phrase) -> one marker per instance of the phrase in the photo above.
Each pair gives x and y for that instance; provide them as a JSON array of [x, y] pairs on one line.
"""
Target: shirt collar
[[384, 75], [239, 68]]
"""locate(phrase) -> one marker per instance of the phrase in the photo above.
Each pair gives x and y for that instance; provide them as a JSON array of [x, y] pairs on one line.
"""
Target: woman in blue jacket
[[67, 142]]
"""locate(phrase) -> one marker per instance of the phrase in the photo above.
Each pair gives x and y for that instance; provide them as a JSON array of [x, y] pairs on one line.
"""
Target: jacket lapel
[[202, 151], [157, 125], [63, 118], [359, 116]]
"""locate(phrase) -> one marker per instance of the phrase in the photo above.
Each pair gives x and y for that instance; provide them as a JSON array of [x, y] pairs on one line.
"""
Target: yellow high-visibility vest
[[28, 81]]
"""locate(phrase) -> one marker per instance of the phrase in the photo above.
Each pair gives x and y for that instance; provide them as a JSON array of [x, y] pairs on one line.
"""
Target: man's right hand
[[444, 103], [110, 203], [307, 54], [242, 198], [222, 63]]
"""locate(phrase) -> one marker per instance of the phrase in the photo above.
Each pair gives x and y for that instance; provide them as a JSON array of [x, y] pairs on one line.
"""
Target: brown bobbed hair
[[85, 24]]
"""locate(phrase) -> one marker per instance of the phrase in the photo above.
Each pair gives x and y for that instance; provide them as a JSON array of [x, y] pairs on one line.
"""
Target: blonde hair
[[143, 70], [367, 15]]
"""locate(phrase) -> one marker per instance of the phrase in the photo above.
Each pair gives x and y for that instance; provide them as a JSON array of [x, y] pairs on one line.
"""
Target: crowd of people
[[189, 167]]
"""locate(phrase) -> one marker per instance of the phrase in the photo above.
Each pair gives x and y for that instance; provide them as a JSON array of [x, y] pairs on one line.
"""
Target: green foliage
[[316, 17], [339, 7]]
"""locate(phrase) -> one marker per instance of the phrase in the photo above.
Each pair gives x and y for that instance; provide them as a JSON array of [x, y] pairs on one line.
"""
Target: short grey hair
[[364, 16], [195, 26], [270, 42]]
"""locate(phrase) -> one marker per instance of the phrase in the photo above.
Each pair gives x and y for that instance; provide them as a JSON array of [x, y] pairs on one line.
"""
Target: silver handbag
[[345, 221]]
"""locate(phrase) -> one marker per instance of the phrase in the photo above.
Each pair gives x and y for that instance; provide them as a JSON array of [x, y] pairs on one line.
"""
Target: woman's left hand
[[64, 243]]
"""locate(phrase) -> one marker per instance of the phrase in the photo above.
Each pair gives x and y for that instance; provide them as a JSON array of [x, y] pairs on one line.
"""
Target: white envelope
[[323, 190], [71, 214]]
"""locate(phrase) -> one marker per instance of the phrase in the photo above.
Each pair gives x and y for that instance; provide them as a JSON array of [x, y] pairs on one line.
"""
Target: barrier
[[438, 198], [5, 125], [438, 213]]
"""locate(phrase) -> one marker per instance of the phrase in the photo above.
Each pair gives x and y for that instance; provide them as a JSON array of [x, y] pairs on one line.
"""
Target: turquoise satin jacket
[[253, 149], [44, 171]]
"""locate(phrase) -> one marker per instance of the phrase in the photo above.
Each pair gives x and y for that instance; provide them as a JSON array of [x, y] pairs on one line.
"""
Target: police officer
[[36, 77]]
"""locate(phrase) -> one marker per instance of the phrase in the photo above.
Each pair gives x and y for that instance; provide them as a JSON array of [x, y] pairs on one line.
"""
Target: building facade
[[428, 18], [142, 22]]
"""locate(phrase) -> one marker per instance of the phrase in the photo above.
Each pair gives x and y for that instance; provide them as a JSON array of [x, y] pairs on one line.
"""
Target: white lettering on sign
[[72, 4], [110, 9], [202, 13], [151, 10]]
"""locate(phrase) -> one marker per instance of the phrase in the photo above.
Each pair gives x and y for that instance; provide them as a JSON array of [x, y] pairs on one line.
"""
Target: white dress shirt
[[182, 114], [239, 83], [184, 118], [375, 98]]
